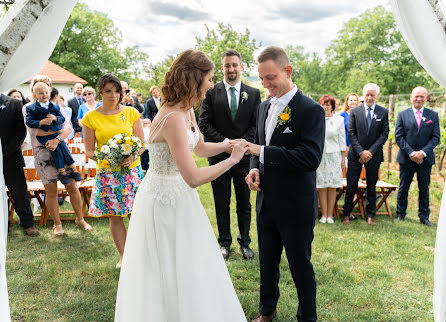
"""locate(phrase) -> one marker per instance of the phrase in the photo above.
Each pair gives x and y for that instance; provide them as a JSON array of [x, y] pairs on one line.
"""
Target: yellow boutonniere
[[284, 117]]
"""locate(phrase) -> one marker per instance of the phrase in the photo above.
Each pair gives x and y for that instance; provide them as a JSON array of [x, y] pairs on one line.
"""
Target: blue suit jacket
[[35, 113], [410, 138]]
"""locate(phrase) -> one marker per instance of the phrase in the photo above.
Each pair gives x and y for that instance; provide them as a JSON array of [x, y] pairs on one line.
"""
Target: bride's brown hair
[[185, 76]]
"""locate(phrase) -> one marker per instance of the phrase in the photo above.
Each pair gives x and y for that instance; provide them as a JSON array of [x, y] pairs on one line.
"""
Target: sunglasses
[[86, 94]]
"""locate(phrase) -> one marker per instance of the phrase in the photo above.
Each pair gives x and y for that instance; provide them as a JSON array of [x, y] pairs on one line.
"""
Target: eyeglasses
[[86, 94]]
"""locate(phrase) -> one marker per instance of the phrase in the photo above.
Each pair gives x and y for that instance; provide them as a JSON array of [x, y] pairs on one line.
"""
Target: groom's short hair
[[276, 54], [231, 52]]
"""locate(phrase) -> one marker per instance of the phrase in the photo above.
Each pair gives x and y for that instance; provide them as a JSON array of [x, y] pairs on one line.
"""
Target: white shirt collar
[[237, 86], [372, 107], [285, 99], [44, 105], [415, 110]]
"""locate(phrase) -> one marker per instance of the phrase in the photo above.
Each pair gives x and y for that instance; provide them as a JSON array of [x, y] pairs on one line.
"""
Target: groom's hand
[[254, 149], [253, 180]]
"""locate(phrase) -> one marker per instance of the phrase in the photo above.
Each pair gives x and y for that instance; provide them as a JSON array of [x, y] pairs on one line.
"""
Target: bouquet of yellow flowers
[[117, 149]]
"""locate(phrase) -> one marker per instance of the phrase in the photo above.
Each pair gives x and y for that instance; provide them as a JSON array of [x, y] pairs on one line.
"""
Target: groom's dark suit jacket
[[288, 174], [371, 139], [215, 119], [410, 138]]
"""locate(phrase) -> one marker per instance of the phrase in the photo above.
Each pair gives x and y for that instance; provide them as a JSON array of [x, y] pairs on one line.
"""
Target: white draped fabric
[[4, 302], [41, 38], [23, 62], [426, 38]]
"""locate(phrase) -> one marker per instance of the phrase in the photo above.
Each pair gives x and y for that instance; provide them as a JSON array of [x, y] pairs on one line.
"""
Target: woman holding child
[[113, 192], [47, 171]]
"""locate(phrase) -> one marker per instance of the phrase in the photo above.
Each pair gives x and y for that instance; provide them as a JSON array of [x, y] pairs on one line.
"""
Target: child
[[46, 115]]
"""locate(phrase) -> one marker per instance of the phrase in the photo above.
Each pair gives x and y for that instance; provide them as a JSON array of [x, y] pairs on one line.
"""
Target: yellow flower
[[129, 142], [119, 141], [284, 117], [105, 164]]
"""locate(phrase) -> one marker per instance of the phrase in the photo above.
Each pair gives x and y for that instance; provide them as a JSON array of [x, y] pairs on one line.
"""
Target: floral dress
[[113, 193]]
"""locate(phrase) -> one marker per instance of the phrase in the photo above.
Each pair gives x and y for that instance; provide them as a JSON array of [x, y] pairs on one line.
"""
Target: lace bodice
[[163, 181], [161, 161]]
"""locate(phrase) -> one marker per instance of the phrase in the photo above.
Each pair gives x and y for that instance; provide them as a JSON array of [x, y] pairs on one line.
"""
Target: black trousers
[[275, 234], [16, 183], [353, 174], [407, 172], [221, 188]]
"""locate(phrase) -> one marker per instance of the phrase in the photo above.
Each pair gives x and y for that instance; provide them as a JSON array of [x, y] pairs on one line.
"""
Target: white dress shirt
[[277, 107], [45, 105], [367, 110], [415, 115], [228, 94]]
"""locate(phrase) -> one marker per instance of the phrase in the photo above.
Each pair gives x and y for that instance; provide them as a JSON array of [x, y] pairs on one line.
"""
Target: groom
[[287, 151]]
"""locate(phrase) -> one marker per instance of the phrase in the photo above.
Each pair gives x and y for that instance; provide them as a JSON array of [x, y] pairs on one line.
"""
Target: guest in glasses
[[89, 95]]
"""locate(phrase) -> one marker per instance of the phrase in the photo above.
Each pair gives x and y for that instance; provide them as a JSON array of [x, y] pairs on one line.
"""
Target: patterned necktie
[[233, 103], [369, 117], [80, 101], [418, 118]]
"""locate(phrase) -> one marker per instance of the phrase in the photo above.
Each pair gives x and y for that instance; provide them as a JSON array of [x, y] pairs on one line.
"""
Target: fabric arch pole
[[421, 23], [28, 34]]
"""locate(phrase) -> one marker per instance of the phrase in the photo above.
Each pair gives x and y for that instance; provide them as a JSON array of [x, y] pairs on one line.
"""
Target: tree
[[217, 41], [89, 47], [369, 48]]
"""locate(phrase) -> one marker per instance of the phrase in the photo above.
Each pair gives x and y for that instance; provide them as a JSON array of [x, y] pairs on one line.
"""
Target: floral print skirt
[[329, 173], [113, 193]]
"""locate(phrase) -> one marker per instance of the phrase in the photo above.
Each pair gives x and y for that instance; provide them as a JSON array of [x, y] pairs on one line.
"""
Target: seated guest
[[351, 101], [45, 115], [15, 93], [329, 173], [153, 104], [89, 104], [129, 97], [12, 134], [48, 173], [66, 109]]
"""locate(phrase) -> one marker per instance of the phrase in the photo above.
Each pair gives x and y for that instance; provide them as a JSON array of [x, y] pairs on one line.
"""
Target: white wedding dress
[[173, 270]]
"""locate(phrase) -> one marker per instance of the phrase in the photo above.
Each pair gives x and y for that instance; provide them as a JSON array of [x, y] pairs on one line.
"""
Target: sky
[[167, 27]]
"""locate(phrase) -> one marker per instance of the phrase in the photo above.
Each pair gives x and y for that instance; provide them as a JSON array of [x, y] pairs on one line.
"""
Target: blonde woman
[[89, 95], [351, 101]]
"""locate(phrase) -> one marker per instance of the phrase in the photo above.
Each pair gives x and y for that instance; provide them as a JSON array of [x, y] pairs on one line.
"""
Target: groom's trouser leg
[[406, 175], [242, 196], [270, 251], [221, 188], [424, 180], [353, 173], [297, 241]]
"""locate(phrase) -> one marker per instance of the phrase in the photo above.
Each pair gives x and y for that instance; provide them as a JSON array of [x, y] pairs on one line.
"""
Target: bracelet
[[59, 138]]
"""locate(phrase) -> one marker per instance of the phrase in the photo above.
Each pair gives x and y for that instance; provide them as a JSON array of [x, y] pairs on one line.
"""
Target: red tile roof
[[59, 75]]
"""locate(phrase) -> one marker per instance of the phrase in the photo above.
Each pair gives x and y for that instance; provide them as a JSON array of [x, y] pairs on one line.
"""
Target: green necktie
[[233, 103]]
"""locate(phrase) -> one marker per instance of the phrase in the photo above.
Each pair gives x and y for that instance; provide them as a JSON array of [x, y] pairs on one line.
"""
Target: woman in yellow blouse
[[113, 192]]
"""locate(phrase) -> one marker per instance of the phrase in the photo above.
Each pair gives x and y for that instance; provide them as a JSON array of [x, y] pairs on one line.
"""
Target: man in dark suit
[[368, 130], [288, 148], [74, 104], [229, 112], [129, 97], [12, 134], [417, 133], [153, 104]]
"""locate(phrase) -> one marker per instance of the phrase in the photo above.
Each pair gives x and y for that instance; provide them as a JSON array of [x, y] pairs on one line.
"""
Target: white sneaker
[[330, 220], [323, 220]]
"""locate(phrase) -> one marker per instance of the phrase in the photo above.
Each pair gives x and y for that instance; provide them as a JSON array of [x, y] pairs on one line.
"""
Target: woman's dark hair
[[54, 92], [328, 99], [182, 83], [24, 101], [109, 78]]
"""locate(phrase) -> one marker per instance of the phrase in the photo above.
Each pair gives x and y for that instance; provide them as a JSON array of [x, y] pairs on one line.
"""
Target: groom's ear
[[289, 71]]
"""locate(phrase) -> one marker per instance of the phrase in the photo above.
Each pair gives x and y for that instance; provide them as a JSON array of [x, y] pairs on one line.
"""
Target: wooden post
[[389, 145]]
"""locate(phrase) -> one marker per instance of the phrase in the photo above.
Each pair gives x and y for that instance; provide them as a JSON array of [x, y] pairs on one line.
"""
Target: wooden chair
[[359, 202]]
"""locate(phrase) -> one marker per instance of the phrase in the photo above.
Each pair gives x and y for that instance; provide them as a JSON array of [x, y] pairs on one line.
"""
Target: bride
[[172, 266]]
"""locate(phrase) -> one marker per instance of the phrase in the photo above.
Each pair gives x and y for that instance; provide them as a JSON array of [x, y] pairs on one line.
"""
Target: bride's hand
[[127, 162], [238, 151]]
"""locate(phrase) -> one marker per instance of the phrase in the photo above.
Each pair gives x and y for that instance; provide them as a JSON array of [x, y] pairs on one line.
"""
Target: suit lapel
[[241, 101], [426, 115], [362, 118], [292, 105], [262, 120]]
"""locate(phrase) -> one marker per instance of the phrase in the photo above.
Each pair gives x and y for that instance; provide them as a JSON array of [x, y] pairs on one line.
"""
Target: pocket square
[[377, 120], [429, 122], [287, 130]]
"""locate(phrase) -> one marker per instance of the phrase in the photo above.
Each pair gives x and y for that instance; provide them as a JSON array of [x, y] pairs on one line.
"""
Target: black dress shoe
[[398, 219], [247, 252], [426, 222], [225, 252]]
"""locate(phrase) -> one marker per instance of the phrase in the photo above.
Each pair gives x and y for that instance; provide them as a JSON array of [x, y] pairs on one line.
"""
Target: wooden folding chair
[[358, 202], [385, 189]]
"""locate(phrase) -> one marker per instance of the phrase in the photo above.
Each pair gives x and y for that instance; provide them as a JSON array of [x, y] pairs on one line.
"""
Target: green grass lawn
[[363, 273]]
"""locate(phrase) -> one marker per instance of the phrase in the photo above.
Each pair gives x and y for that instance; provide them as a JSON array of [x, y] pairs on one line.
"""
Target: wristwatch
[[59, 138]]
